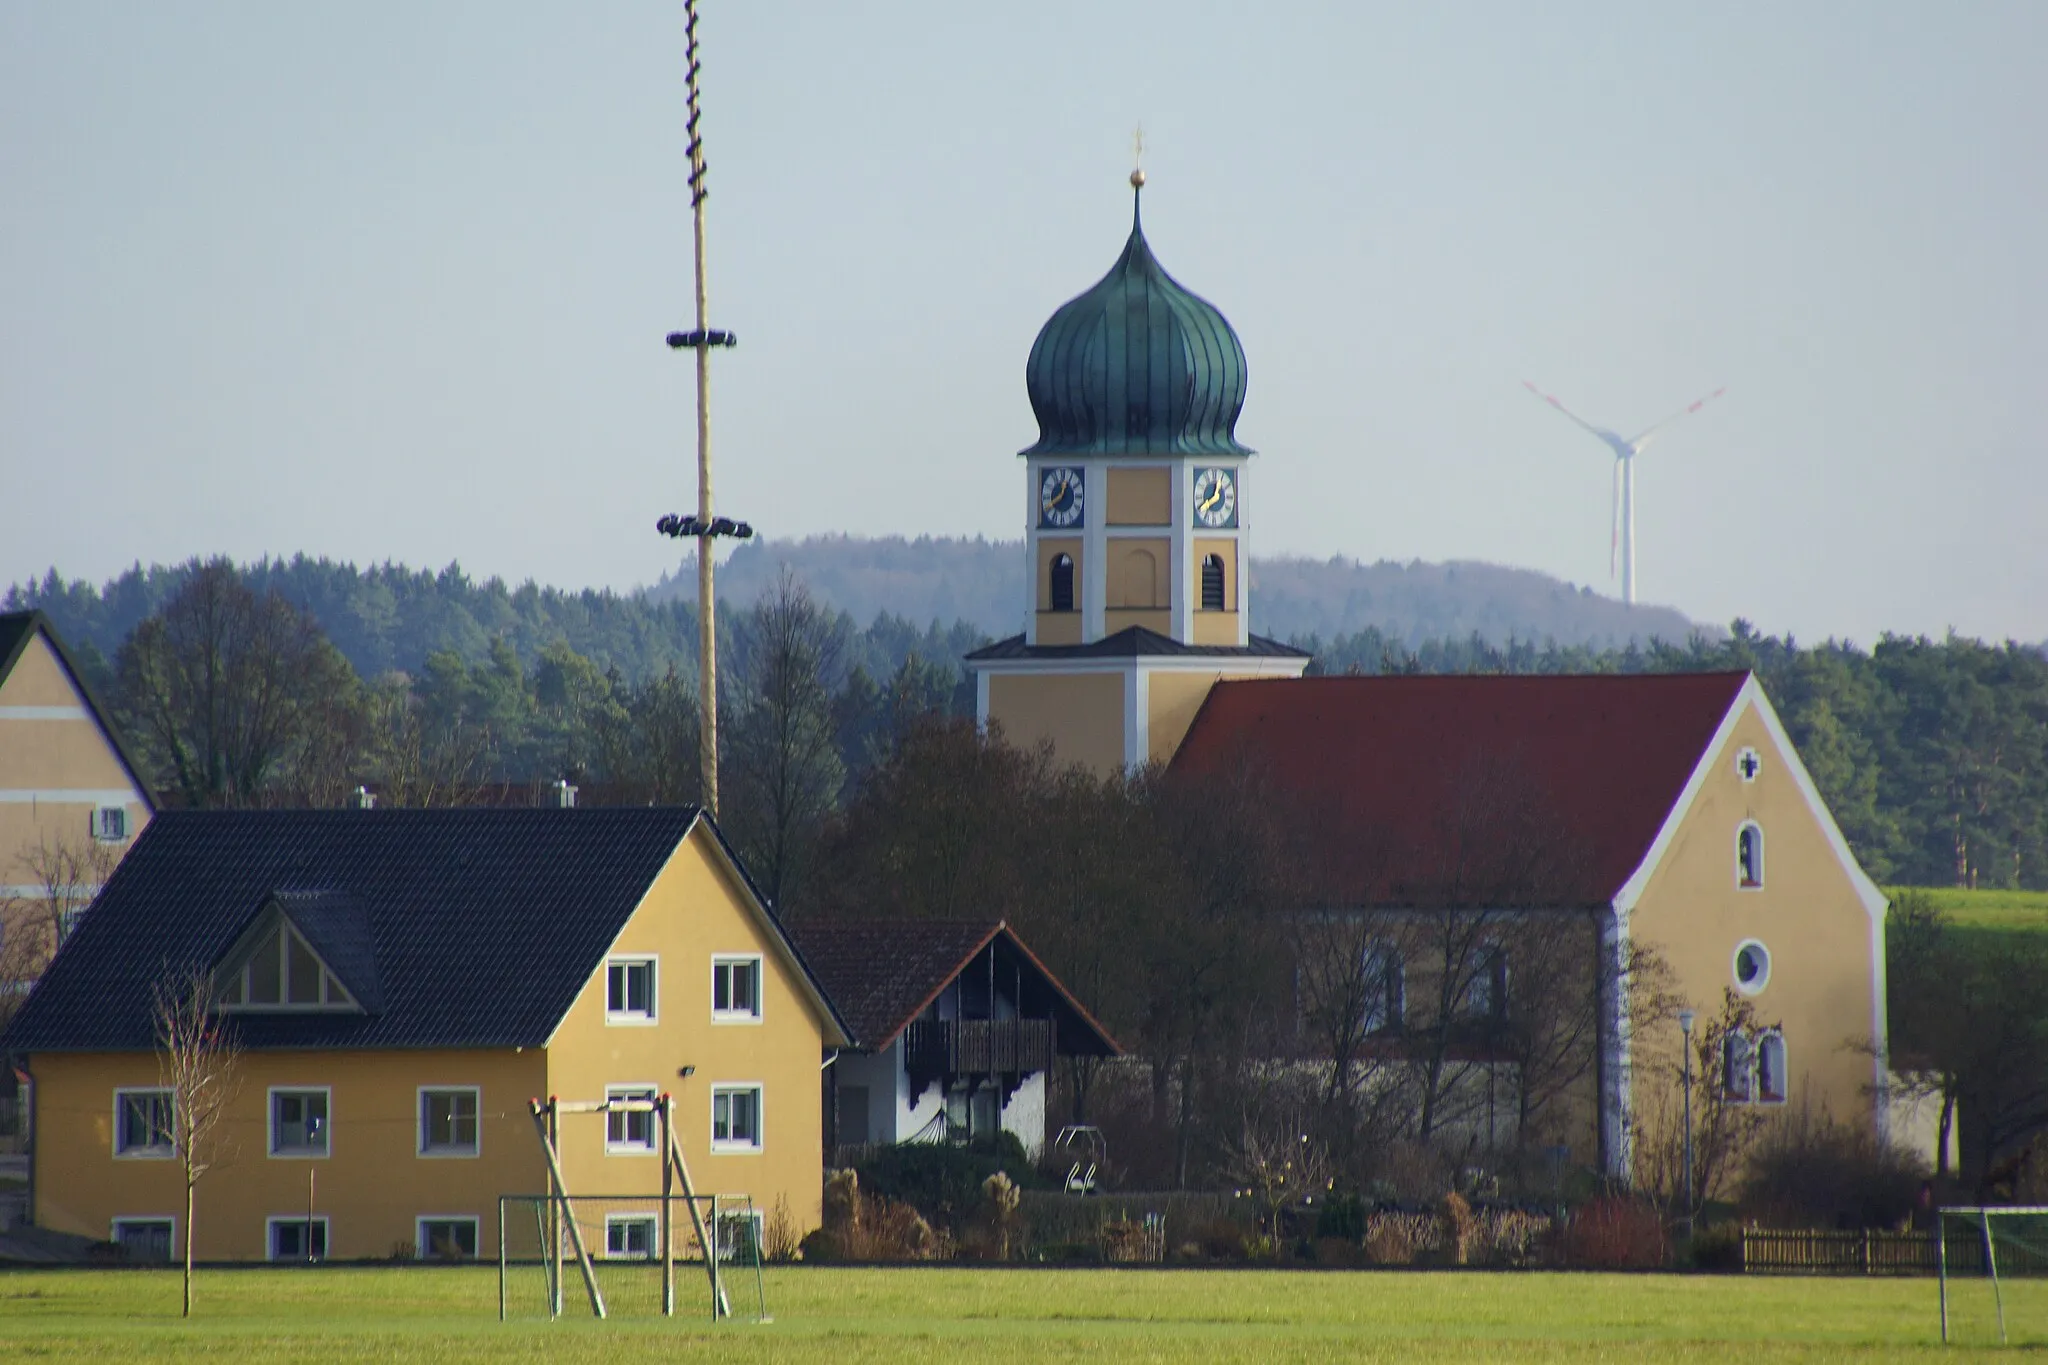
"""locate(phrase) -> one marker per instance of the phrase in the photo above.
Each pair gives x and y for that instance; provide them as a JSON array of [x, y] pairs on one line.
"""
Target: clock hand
[[1211, 500]]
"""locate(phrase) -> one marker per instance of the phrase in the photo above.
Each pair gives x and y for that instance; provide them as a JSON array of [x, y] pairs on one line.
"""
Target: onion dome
[[1136, 366]]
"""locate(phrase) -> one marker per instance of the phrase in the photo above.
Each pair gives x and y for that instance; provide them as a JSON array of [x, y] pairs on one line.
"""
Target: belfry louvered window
[[1212, 583], [1062, 582]]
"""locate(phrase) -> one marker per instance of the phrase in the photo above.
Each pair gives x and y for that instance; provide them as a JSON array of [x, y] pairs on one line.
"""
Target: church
[[1688, 826]]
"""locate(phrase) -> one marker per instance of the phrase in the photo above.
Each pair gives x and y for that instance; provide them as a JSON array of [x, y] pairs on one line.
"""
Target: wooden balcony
[[977, 1047]]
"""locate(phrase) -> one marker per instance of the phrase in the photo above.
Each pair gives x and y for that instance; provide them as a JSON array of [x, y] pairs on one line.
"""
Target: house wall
[[370, 1187], [1024, 1115], [1080, 714], [1825, 970], [696, 909], [56, 767], [878, 1075]]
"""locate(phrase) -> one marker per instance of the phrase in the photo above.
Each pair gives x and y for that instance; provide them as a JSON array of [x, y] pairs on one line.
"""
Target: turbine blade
[[1552, 400], [1688, 410], [1614, 528]]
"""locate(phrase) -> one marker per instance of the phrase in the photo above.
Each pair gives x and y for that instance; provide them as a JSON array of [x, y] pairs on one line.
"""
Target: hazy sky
[[380, 280]]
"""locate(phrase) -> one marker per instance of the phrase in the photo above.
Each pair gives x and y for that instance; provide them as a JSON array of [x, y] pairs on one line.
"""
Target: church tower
[[1136, 524]]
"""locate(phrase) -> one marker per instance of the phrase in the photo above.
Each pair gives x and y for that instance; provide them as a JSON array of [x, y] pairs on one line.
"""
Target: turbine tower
[[1621, 542]]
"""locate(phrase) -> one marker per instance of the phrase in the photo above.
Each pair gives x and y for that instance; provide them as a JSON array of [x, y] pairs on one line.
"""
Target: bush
[[1809, 1171], [1717, 1248], [865, 1227], [1341, 1217], [942, 1182], [1614, 1233]]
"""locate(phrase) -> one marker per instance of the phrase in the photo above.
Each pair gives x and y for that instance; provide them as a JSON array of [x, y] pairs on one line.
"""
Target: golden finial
[[1138, 158]]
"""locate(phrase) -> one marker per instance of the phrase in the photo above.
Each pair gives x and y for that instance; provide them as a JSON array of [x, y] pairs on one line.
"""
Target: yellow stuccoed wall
[[370, 1187], [1081, 714], [37, 755], [1807, 914], [693, 912], [1139, 497]]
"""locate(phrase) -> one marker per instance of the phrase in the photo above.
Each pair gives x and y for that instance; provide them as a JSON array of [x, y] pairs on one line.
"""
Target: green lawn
[[2003, 912], [397, 1315]]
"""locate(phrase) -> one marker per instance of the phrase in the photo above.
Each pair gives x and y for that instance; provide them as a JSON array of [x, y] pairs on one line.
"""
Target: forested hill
[[981, 582]]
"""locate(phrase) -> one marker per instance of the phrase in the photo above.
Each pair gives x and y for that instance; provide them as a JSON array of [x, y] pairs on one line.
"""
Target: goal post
[[1992, 1262]]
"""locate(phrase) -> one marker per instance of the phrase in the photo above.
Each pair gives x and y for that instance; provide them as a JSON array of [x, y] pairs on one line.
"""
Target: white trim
[[732, 1016], [114, 1228], [632, 1090], [981, 699], [630, 1018], [36, 891], [270, 1237], [1137, 716], [1632, 889], [1617, 1107], [69, 796], [729, 1146], [1748, 751], [44, 713], [1750, 988], [270, 1123], [419, 1232], [1094, 554], [1235, 664], [1180, 512], [163, 1153], [419, 1114]]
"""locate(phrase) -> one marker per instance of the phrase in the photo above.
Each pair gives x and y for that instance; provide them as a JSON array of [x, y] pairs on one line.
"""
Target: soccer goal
[[1994, 1273], [624, 1248]]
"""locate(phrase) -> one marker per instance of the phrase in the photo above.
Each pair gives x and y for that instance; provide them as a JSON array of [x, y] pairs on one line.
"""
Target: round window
[[1752, 967]]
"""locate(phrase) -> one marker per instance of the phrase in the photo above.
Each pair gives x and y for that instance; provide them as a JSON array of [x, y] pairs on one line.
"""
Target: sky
[[385, 280]]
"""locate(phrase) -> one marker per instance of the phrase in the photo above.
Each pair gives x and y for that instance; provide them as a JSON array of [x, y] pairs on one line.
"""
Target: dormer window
[[279, 971]]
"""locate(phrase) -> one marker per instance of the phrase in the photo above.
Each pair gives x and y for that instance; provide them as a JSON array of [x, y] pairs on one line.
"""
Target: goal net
[[541, 1275], [1994, 1274]]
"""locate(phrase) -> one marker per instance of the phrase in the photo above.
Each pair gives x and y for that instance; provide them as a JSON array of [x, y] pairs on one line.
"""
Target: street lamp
[[1685, 1018]]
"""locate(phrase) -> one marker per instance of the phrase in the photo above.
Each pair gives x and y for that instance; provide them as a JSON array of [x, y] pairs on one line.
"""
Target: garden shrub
[[865, 1227], [943, 1182], [1343, 1216], [1809, 1171], [1614, 1233]]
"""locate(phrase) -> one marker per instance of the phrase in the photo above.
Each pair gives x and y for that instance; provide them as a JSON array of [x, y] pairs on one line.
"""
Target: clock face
[[1216, 497], [1059, 497]]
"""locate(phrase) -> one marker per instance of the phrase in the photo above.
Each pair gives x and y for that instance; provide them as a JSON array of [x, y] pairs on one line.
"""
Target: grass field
[[1990, 912], [418, 1314]]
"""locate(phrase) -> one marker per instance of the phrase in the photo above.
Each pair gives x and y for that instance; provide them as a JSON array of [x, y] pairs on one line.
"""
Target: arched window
[[1770, 1068], [1749, 856], [1062, 582], [1212, 583], [1738, 1067]]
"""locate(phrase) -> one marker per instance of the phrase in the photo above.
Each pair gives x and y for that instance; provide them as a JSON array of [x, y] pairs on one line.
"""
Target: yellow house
[[1667, 812], [71, 797], [403, 983]]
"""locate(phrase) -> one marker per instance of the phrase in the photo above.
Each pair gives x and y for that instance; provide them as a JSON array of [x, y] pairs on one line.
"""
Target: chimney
[[562, 796]]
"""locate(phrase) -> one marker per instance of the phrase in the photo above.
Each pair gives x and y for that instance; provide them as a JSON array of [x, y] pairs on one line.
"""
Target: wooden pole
[[668, 1172], [707, 604], [561, 1187], [719, 1307]]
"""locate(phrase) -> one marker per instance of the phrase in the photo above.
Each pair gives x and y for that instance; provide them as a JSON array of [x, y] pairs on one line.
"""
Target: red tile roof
[[1387, 767]]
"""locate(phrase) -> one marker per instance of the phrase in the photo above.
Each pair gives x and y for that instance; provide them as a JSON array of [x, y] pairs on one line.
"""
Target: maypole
[[704, 527]]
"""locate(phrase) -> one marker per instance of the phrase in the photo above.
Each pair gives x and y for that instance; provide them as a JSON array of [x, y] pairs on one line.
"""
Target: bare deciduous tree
[[198, 1063], [62, 874]]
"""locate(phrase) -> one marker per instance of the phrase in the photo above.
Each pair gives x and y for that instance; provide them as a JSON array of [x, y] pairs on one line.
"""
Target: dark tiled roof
[[1134, 642], [881, 974], [1390, 763], [478, 926], [17, 628]]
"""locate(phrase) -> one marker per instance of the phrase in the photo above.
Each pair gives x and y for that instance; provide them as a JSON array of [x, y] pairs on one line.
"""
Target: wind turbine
[[1622, 537]]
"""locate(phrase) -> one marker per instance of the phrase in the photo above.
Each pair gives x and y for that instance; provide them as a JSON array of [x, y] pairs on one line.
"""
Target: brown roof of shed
[[1387, 763]]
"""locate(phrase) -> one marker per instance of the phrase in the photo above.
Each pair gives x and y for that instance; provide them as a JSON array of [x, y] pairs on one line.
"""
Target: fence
[[540, 1274], [1794, 1251], [1127, 1226]]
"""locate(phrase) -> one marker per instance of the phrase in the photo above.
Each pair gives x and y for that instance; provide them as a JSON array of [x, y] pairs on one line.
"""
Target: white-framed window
[[1748, 764], [629, 1132], [1749, 856], [1488, 993], [739, 1235], [296, 1238], [1386, 988], [142, 1124], [1738, 1068], [1751, 966], [1770, 1067], [299, 1125], [629, 984], [735, 1118], [631, 1236], [448, 1120], [146, 1241], [736, 989], [445, 1236], [283, 973], [110, 824]]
